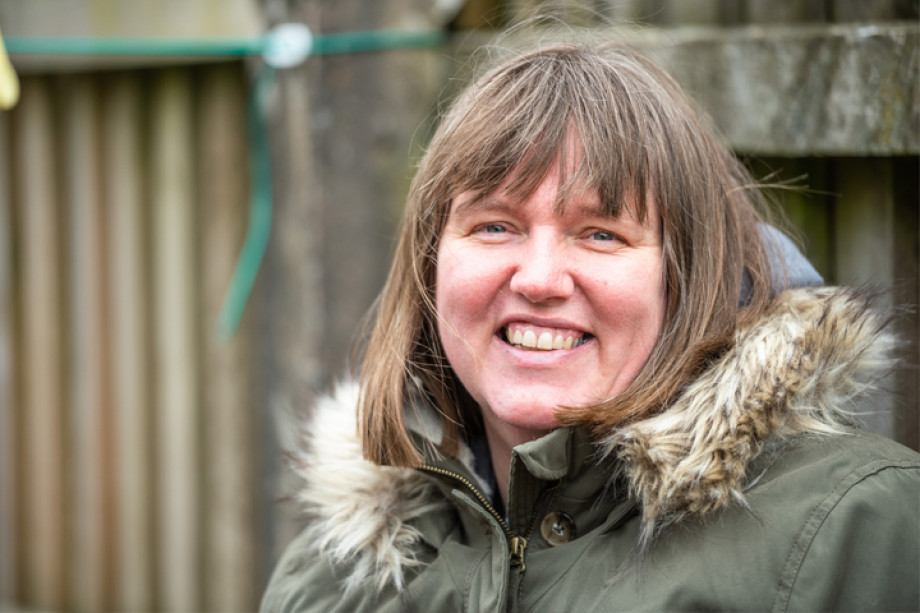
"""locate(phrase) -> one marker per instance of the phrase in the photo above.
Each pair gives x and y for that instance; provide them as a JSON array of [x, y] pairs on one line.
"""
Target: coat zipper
[[517, 544]]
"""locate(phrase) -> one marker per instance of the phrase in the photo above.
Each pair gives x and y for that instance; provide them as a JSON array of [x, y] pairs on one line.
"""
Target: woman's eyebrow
[[591, 207], [484, 203]]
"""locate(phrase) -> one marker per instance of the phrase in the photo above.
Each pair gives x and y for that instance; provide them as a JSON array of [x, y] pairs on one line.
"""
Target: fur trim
[[358, 510], [794, 371]]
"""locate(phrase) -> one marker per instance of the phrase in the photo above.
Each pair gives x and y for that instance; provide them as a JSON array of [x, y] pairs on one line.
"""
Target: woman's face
[[539, 310]]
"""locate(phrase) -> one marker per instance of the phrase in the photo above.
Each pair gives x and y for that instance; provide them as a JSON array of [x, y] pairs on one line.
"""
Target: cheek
[[461, 307], [633, 301], [465, 286], [458, 299]]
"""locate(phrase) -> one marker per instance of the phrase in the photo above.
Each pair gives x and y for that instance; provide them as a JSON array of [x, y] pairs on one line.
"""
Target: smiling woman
[[588, 338], [629, 140]]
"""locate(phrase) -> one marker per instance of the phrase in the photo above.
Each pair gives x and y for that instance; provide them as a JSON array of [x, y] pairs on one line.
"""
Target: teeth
[[529, 340], [545, 342]]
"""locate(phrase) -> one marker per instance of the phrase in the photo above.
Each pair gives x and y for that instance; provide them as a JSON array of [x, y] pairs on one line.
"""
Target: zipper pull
[[518, 545]]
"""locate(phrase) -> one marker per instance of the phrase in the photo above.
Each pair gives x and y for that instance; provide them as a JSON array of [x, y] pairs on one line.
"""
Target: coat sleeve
[[860, 548]]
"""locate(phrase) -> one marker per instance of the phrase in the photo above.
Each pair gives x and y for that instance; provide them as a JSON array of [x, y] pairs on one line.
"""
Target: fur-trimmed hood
[[797, 370]]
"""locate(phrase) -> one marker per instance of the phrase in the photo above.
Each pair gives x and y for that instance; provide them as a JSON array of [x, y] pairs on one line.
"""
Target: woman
[[590, 386]]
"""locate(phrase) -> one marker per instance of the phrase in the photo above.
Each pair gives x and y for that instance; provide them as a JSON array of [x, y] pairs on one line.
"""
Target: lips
[[538, 338]]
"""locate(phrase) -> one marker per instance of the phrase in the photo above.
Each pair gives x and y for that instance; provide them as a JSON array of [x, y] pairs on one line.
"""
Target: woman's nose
[[542, 273]]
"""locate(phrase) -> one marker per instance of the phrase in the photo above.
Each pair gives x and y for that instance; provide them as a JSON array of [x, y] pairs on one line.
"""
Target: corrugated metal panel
[[133, 482]]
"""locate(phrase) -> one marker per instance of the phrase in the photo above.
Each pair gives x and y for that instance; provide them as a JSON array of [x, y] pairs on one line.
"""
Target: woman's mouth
[[543, 339]]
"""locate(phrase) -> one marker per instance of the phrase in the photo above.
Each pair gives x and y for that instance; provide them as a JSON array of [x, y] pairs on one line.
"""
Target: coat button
[[557, 528]]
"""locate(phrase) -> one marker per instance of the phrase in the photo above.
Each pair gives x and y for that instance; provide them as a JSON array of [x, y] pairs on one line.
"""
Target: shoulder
[[826, 523], [363, 535], [850, 456], [846, 508]]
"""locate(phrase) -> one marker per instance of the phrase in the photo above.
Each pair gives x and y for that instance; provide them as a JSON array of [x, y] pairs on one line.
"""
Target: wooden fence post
[[42, 414], [177, 408], [864, 229], [88, 416], [342, 135], [129, 304], [229, 483], [9, 443]]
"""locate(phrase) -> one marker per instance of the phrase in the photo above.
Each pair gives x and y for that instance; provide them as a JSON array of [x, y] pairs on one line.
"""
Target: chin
[[533, 417]]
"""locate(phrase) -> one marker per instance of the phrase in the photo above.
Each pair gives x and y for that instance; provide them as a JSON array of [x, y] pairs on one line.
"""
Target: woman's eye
[[603, 235], [494, 228]]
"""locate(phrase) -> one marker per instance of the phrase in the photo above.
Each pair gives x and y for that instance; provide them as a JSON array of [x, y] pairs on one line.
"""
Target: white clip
[[288, 45]]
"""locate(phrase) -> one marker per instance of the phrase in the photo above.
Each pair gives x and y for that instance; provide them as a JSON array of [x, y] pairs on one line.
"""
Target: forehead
[[575, 177], [586, 203]]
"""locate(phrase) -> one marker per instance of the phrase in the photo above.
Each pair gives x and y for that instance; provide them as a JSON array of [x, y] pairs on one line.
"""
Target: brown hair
[[641, 139]]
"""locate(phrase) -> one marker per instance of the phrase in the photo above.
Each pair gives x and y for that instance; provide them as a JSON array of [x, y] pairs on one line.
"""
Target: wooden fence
[[127, 425]]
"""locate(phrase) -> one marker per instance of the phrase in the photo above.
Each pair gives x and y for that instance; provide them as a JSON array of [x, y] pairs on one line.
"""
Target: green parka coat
[[747, 494]]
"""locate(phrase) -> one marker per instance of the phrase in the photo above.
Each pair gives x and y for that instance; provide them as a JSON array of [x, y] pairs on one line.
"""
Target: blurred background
[[140, 462]]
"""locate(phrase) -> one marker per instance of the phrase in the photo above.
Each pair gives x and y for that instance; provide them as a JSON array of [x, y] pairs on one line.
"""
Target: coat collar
[[797, 370], [794, 371]]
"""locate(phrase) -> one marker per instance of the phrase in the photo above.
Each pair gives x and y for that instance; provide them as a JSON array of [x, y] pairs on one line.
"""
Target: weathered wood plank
[[129, 299], [240, 19], [229, 560], [834, 90], [871, 10], [42, 415], [907, 292], [343, 134], [292, 298], [9, 467], [797, 90], [799, 189], [371, 106], [475, 14], [571, 12], [785, 11], [177, 410], [638, 11], [697, 12], [864, 253], [87, 418]]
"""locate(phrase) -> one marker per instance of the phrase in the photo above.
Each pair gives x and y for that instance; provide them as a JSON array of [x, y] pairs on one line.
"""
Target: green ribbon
[[323, 44], [260, 207]]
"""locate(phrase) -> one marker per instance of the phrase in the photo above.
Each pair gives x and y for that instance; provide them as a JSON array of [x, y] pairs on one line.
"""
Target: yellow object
[[9, 82]]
